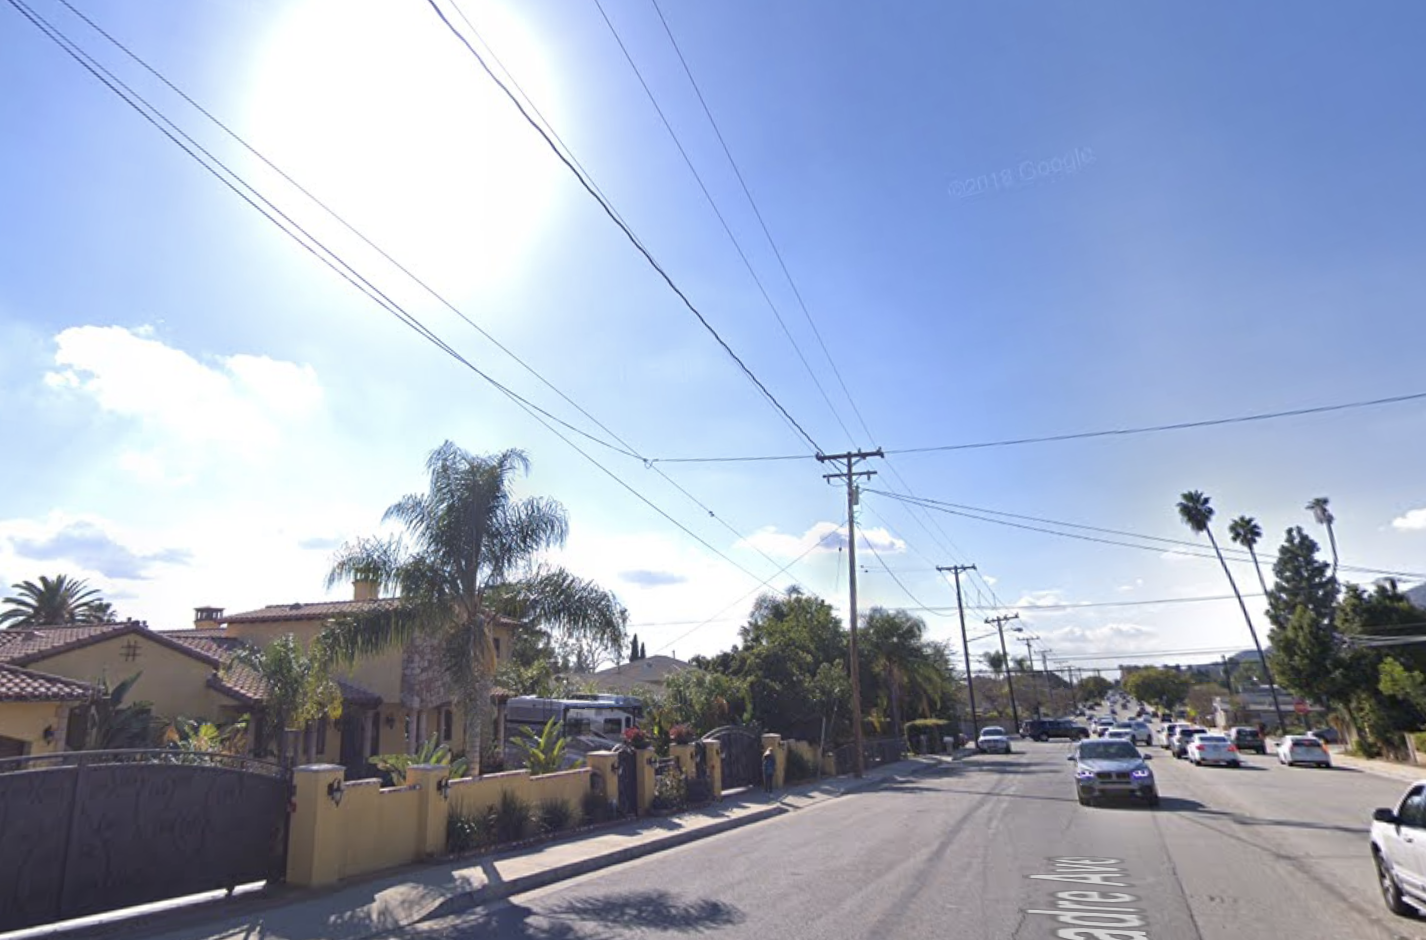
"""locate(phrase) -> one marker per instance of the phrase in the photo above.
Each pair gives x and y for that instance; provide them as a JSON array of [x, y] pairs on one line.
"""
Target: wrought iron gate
[[91, 831], [628, 780], [741, 750]]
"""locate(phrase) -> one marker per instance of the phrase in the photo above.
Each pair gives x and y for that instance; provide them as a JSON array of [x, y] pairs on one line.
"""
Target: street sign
[[1300, 707]]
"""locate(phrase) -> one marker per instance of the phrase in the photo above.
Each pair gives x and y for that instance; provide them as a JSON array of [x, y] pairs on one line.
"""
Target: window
[[447, 724], [497, 647], [1413, 809]]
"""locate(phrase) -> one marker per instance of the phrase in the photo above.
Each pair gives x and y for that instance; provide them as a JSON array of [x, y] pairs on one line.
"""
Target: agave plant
[[544, 752], [430, 752]]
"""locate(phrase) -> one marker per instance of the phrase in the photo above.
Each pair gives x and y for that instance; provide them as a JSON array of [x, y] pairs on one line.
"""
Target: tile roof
[[24, 685], [248, 687], [23, 645], [322, 610]]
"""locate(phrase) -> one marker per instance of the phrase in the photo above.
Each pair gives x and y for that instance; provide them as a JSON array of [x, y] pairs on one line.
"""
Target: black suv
[[1044, 729], [1248, 739]]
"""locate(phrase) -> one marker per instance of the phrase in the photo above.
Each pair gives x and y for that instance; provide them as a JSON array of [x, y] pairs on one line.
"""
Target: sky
[[968, 223]]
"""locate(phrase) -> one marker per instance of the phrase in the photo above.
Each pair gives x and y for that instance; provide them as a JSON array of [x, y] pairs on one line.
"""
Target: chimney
[[207, 618], [365, 588]]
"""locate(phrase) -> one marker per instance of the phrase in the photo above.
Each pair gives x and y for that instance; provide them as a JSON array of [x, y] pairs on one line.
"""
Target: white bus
[[605, 715]]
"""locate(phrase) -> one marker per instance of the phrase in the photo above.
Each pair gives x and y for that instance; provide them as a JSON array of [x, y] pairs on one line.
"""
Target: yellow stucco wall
[[471, 796], [27, 721], [175, 683]]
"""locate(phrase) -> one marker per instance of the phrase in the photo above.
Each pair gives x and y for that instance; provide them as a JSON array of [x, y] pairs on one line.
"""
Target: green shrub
[[595, 807], [466, 832], [934, 729], [554, 816], [512, 818], [670, 793], [799, 768]]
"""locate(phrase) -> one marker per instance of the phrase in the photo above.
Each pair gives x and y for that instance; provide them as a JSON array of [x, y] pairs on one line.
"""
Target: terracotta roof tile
[[24, 685], [247, 686], [323, 610], [22, 644]]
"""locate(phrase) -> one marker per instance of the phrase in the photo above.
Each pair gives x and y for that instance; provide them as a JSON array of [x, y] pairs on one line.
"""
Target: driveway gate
[[91, 831], [741, 748]]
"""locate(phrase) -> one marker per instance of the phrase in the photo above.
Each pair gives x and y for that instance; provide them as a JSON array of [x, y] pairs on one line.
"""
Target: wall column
[[314, 841], [644, 777], [779, 753], [604, 766], [713, 753], [434, 807]]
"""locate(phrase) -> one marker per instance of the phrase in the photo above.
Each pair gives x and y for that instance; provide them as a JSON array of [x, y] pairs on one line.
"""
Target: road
[[998, 847]]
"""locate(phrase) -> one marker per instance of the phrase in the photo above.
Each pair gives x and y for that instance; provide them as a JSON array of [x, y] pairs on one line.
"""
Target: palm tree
[[995, 660], [1246, 532], [57, 600], [297, 686], [1324, 516], [475, 558], [1195, 511]]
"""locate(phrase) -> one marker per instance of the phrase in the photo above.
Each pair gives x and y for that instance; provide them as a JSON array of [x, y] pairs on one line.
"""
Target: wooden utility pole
[[1000, 622], [965, 643], [850, 475]]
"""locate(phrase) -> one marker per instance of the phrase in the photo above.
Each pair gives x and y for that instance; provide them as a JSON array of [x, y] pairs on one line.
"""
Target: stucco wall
[[175, 683], [27, 721]]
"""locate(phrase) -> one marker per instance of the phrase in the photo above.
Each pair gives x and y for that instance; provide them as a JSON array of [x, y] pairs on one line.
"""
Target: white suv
[[1399, 851]]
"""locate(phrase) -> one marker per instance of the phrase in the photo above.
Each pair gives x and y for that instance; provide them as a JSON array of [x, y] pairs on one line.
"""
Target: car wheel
[[1390, 890], [1085, 801], [1236, 764], [1154, 799]]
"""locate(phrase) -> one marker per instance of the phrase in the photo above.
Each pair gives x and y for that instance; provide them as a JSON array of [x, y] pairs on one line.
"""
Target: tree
[[57, 600], [1300, 580], [1094, 688], [1164, 688], [995, 661], [1200, 699], [476, 557], [298, 687], [1196, 512], [115, 724], [1324, 516], [1246, 532], [634, 649], [1305, 654]]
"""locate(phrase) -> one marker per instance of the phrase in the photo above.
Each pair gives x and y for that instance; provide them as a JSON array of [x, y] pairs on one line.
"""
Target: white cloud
[[1413, 520], [240, 402], [1109, 640], [990, 579], [821, 538]]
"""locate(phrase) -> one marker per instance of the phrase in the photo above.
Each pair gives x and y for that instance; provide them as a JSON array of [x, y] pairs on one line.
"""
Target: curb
[[469, 900]]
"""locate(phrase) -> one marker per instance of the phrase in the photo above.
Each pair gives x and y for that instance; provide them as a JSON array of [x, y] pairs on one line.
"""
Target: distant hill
[[1417, 595]]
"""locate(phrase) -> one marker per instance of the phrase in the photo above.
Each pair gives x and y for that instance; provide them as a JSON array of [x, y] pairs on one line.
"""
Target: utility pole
[[1030, 658], [1000, 622], [850, 475], [965, 643]]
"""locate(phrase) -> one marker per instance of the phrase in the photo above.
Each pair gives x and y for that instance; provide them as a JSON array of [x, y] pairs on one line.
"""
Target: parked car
[[1326, 735], [1043, 729], [1397, 835], [1248, 739], [1165, 737], [1109, 768], [993, 740], [1181, 737], [1303, 749], [1213, 749]]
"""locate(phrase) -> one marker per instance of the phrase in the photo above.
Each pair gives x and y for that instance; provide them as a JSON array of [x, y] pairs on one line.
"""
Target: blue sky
[[1187, 213]]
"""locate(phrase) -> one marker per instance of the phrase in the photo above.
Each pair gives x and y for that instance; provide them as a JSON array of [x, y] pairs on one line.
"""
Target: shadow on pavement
[[590, 917]]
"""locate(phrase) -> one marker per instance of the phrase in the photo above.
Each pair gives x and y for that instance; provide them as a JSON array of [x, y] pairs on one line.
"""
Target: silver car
[[1109, 768], [993, 740]]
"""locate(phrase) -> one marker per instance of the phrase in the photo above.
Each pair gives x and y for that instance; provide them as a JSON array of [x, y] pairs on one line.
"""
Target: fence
[[875, 751]]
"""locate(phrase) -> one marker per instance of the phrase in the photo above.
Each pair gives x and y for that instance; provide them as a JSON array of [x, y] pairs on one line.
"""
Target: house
[[35, 709], [643, 674], [391, 702], [61, 665]]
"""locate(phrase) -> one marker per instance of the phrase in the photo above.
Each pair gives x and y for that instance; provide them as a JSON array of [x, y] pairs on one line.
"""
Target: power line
[[1235, 556], [608, 209], [757, 213], [330, 258], [629, 449], [712, 203], [1086, 435]]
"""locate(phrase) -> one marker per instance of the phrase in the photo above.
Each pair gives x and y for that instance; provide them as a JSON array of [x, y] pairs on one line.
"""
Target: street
[[998, 847]]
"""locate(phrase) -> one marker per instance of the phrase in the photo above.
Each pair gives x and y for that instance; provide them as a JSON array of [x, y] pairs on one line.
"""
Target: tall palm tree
[[1196, 512], [57, 600], [475, 558], [1246, 532], [1324, 516]]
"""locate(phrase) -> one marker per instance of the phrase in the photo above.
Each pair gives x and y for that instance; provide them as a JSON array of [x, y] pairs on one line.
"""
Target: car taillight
[[1232, 747]]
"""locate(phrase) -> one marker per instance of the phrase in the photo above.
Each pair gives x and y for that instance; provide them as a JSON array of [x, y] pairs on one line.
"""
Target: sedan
[[1213, 749], [1303, 749], [993, 740], [1184, 734], [1396, 835], [1110, 768]]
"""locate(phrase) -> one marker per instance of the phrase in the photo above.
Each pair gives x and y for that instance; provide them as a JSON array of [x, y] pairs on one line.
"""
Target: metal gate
[[742, 755], [628, 780], [92, 831]]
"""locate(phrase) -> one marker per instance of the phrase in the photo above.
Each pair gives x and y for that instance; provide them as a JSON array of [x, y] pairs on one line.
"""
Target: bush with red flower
[[637, 738]]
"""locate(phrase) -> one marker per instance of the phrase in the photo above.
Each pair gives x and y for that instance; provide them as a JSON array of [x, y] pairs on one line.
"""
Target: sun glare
[[382, 114]]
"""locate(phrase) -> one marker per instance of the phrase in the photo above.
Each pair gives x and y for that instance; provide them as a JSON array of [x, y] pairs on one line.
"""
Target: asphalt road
[[1262, 851]]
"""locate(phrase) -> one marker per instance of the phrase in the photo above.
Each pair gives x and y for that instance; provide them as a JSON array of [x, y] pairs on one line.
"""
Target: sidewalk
[[398, 899], [1407, 773]]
